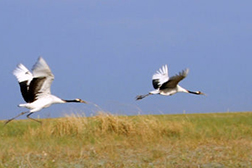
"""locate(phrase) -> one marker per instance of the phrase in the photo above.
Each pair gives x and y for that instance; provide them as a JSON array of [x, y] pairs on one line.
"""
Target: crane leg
[[139, 97], [28, 116], [15, 117]]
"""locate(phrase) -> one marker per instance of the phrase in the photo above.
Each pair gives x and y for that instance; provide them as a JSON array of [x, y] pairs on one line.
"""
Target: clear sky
[[106, 52]]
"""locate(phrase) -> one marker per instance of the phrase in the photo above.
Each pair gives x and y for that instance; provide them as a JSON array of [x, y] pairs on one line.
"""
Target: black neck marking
[[197, 93], [69, 101]]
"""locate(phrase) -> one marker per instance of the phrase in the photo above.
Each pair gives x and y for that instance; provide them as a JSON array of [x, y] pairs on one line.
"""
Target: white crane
[[35, 88], [168, 86]]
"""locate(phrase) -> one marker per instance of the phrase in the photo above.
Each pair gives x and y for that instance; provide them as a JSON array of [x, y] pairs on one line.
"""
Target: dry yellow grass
[[105, 140], [104, 124]]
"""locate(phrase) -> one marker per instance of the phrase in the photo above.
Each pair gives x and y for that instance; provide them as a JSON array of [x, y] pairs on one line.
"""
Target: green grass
[[190, 140]]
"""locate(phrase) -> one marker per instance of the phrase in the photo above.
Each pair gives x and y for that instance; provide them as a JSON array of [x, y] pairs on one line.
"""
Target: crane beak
[[202, 93], [82, 101]]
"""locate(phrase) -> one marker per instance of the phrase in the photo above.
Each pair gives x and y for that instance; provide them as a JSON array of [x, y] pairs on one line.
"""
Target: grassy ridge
[[191, 140]]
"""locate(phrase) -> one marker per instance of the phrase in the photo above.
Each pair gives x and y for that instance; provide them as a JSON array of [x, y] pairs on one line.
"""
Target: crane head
[[200, 93], [81, 101]]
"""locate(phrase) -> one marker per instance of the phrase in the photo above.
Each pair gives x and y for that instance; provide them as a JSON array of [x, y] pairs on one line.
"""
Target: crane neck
[[70, 101], [181, 89], [192, 92]]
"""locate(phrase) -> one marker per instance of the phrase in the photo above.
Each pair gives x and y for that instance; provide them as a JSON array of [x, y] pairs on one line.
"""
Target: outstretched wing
[[24, 77], [174, 80], [160, 77], [42, 79], [22, 73]]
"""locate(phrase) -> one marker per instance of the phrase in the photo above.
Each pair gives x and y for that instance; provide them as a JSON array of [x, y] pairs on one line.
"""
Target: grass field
[[186, 140]]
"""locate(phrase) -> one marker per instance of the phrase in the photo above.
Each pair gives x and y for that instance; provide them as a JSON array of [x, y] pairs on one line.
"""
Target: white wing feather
[[22, 74], [41, 69], [161, 75]]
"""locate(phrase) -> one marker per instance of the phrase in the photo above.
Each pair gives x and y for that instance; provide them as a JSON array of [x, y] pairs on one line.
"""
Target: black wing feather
[[173, 81], [35, 87], [24, 90], [155, 83]]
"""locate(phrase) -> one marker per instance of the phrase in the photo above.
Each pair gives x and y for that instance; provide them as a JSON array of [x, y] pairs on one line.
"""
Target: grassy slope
[[192, 140]]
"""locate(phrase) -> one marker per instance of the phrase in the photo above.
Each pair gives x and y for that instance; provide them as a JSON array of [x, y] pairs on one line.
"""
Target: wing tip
[[40, 58], [22, 73], [41, 68], [186, 70], [20, 68]]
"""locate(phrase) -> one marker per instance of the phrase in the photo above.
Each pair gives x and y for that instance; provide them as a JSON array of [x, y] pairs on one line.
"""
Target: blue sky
[[106, 52]]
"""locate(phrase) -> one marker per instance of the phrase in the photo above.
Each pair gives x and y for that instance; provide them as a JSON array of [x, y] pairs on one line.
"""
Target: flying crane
[[164, 85], [35, 88]]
